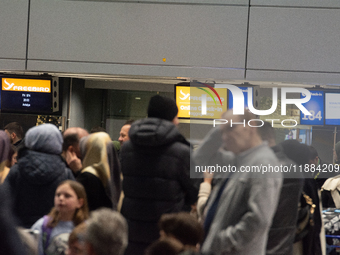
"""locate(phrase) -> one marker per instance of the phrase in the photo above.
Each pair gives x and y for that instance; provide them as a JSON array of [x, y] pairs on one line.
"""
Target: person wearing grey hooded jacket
[[33, 180]]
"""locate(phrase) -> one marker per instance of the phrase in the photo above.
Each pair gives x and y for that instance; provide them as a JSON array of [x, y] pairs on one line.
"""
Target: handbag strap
[[46, 232]]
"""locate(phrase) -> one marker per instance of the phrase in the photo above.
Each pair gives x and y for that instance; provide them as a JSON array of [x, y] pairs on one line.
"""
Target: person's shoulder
[[86, 176], [66, 224], [69, 174], [127, 145], [38, 224], [259, 154], [178, 150], [267, 154], [83, 175], [13, 173], [14, 169], [180, 142]]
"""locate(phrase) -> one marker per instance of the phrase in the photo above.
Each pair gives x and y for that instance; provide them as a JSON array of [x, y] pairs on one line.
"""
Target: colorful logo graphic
[[198, 101], [212, 89]]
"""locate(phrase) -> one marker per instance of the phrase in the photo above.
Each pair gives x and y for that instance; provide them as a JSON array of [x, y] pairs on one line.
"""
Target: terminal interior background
[[111, 57]]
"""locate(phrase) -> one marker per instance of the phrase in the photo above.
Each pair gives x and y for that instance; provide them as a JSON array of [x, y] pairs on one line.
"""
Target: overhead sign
[[316, 107], [26, 95], [189, 102], [29, 85], [332, 106]]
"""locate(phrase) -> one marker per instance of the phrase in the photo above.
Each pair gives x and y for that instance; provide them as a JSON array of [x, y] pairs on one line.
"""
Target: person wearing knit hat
[[32, 181], [155, 163], [163, 108]]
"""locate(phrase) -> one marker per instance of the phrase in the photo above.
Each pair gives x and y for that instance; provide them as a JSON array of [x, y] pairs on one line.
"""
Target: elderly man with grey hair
[[242, 204], [106, 233]]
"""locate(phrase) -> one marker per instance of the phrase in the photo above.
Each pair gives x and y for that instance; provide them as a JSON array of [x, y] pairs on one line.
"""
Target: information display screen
[[26, 95], [332, 109], [190, 103], [316, 107]]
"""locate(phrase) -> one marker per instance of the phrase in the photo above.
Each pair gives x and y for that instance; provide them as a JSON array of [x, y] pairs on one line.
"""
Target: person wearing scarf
[[101, 171]]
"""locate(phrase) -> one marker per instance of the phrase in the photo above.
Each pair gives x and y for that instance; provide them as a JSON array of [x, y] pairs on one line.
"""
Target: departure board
[[23, 95]]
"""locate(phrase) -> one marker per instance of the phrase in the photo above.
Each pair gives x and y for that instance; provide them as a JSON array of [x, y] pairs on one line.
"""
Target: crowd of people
[[82, 193]]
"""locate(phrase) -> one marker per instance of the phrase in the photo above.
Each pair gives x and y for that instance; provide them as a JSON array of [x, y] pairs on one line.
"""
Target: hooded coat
[[36, 176], [156, 171]]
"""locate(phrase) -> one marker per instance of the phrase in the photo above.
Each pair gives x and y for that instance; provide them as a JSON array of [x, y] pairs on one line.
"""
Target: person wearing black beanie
[[155, 163], [163, 108], [296, 151]]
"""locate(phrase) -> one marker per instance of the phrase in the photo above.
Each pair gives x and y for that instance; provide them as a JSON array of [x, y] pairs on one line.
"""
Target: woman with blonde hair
[[101, 171]]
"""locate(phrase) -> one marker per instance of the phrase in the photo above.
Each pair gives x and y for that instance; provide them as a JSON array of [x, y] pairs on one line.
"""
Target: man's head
[[181, 226], [106, 233], [71, 148], [97, 129], [165, 246], [76, 240], [296, 151], [237, 135], [314, 157], [163, 108], [72, 137], [124, 132], [14, 131]]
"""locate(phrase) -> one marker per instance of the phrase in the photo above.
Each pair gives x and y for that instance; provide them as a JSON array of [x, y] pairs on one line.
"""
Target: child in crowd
[[70, 209], [76, 240], [182, 227]]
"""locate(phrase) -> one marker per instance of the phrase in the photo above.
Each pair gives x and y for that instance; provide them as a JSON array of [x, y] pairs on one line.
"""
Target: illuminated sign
[[332, 108], [26, 95], [315, 107], [189, 102], [29, 85]]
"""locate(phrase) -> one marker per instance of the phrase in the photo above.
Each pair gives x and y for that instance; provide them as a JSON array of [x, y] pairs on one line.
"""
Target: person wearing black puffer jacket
[[33, 180], [156, 169]]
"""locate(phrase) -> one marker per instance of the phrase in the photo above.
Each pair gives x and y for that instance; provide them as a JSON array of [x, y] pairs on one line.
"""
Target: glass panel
[[124, 105]]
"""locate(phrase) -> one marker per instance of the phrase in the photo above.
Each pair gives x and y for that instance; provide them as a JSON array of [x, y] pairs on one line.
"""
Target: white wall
[[13, 27], [283, 40]]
